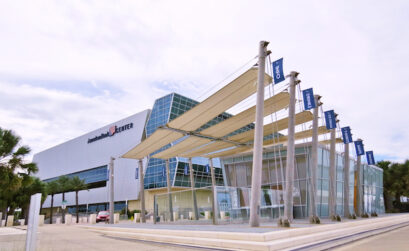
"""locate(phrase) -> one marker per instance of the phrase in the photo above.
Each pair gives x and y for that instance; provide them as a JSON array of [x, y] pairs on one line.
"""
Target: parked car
[[103, 216]]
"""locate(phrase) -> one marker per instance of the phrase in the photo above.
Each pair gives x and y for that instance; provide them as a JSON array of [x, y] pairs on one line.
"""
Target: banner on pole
[[309, 101], [346, 134], [186, 170], [278, 72], [359, 147], [207, 168], [330, 121], [137, 173], [370, 158]]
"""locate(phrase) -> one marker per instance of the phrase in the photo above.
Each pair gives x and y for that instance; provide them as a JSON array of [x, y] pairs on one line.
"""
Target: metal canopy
[[231, 94], [328, 141]]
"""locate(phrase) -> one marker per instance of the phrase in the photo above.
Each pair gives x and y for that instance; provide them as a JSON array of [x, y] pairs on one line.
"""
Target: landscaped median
[[247, 239]]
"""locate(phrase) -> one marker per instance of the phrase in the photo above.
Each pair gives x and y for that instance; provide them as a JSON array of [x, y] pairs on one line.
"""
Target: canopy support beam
[[346, 180], [258, 140], [192, 185], [214, 192], [314, 162], [142, 191], [169, 189]]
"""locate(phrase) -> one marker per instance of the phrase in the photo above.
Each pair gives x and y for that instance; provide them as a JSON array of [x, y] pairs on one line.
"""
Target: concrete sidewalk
[[242, 237]]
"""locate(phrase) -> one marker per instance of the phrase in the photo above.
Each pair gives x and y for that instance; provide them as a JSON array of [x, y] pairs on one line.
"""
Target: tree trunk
[[26, 211], [397, 203], [52, 204], [76, 204], [63, 210]]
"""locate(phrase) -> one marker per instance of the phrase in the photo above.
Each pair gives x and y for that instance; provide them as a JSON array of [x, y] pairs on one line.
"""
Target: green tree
[[395, 183], [64, 185], [53, 187], [14, 170], [77, 185], [23, 195]]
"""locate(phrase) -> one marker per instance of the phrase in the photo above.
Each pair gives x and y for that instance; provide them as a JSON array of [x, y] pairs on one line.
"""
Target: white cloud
[[354, 54]]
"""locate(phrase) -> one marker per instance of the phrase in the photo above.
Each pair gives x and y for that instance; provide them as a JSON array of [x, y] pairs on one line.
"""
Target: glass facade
[[90, 176], [238, 174], [164, 110]]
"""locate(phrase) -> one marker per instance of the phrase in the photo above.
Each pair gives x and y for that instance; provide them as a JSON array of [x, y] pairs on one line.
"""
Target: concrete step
[[275, 240]]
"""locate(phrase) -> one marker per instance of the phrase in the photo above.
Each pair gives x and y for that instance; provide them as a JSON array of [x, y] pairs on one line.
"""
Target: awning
[[273, 127], [328, 141], [190, 143], [231, 94]]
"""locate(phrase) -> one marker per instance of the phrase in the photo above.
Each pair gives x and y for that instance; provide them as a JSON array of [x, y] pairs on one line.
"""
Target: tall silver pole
[[346, 180], [169, 190], [314, 162], [289, 177], [192, 185], [258, 139], [142, 191], [214, 192], [332, 177], [359, 197], [111, 190], [33, 218]]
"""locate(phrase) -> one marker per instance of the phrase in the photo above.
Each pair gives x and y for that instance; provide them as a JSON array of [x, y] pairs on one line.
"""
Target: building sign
[[278, 72], [330, 121], [309, 101], [370, 158], [111, 132], [346, 134], [359, 147]]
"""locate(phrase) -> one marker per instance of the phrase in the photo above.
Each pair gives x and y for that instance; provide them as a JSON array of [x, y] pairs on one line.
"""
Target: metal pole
[[192, 185], [111, 190], [169, 190], [289, 178], [346, 180], [314, 161], [214, 192], [34, 213], [359, 185], [258, 139], [141, 192], [332, 177]]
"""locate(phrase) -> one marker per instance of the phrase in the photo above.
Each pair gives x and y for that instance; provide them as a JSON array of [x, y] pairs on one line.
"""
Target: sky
[[69, 67]]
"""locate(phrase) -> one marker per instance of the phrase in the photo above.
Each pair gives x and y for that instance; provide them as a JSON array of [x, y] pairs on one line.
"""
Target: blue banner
[[346, 134], [330, 121], [278, 72], [309, 101], [359, 148], [137, 173], [207, 168], [186, 170], [370, 158]]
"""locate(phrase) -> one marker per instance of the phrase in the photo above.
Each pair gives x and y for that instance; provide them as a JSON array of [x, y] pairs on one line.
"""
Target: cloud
[[70, 67]]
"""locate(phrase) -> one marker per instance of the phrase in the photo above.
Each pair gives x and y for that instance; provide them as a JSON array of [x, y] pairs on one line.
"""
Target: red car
[[103, 216]]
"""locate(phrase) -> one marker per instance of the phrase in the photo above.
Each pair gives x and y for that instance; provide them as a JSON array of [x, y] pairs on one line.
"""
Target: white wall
[[78, 155]]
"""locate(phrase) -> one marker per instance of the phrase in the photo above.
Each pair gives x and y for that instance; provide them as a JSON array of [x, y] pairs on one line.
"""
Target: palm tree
[[64, 186], [13, 169], [77, 185], [53, 188]]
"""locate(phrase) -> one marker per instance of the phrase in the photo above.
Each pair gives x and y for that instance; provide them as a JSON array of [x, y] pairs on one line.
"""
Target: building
[[88, 156]]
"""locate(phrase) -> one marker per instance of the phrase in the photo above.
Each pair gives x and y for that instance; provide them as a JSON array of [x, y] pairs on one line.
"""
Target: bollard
[[92, 218], [137, 217], [116, 218], [207, 215], [3, 223], [190, 215], [181, 217], [68, 219], [41, 220], [22, 221], [58, 220], [222, 215], [175, 216], [10, 220]]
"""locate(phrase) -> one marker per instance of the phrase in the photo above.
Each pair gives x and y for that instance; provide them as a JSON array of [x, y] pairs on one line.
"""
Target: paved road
[[392, 241], [53, 237]]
